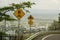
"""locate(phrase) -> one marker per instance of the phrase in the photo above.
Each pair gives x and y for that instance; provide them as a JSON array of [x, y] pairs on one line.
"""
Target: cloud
[[7, 2], [40, 4], [46, 4]]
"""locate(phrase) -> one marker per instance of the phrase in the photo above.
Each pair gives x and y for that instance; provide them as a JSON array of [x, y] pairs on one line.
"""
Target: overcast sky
[[40, 4], [42, 7], [47, 4]]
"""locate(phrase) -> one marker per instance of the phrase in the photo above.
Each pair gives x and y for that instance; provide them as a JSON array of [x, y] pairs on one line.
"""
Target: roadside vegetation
[[55, 25], [5, 17]]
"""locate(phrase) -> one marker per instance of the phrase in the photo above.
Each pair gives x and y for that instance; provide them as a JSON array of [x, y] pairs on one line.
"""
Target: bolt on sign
[[30, 17], [30, 22], [19, 13]]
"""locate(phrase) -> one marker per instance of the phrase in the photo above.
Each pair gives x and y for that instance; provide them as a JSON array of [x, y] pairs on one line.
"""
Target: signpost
[[19, 14], [30, 17], [30, 22]]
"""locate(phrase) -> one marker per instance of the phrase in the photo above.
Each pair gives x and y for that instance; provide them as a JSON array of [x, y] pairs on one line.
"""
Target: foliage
[[2, 33], [54, 26], [22, 5], [17, 6], [6, 17], [7, 8], [59, 18], [12, 7]]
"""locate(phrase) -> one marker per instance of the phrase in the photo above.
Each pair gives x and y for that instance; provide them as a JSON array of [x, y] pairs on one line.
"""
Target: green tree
[[55, 25], [59, 18], [5, 16], [12, 8], [1, 35], [23, 5]]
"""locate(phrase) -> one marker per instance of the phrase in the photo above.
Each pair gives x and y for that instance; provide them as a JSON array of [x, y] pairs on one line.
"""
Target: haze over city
[[42, 8]]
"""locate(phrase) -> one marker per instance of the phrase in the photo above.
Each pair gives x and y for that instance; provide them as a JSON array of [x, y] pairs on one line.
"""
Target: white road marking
[[47, 36]]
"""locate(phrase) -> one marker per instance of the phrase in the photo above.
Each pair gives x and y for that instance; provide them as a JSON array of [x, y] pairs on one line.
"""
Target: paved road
[[49, 37], [52, 37]]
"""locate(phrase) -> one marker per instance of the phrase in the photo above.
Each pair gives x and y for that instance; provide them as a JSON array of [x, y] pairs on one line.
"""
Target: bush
[[1, 36], [54, 26]]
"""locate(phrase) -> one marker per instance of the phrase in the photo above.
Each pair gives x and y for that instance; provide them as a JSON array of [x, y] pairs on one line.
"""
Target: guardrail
[[33, 36], [42, 32]]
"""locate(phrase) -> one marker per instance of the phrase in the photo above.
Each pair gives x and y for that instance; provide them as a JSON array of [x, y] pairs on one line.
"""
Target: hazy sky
[[40, 4], [47, 4], [42, 7]]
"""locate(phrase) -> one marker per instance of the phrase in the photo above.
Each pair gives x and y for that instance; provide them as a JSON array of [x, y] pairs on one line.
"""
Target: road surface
[[52, 37], [49, 37]]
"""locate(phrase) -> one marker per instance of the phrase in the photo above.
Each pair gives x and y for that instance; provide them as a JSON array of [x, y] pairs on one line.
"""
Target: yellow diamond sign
[[19, 13], [30, 17], [30, 22]]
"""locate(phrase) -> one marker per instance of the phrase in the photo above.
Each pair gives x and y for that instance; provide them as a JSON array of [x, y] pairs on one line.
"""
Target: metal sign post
[[18, 29], [19, 14], [30, 22], [30, 30]]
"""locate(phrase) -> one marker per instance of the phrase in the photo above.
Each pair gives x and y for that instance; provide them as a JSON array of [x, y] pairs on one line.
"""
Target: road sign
[[30, 22], [30, 17], [19, 13]]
